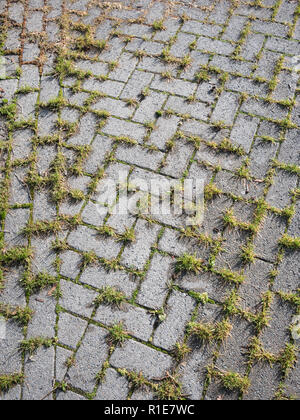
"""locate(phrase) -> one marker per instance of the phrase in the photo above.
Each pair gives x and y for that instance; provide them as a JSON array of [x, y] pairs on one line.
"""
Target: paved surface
[[175, 80]]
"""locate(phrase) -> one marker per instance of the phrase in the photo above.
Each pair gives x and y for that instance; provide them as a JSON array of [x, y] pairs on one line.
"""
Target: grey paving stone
[[283, 45], [13, 394], [234, 28], [10, 358], [13, 293], [137, 357], [49, 89], [279, 194], [138, 81], [70, 264], [114, 387], [101, 146], [76, 298], [266, 244], [154, 288], [232, 357], [15, 222], [43, 255], [164, 131], [136, 321], [43, 322], [114, 107], [256, 283], [22, 144], [289, 151], [30, 76], [263, 109], [137, 254], [178, 159], [261, 155], [89, 359], [99, 278], [241, 84], [86, 131], [276, 335], [292, 383], [39, 374], [214, 46], [140, 156], [118, 128], [179, 311], [34, 23], [86, 239], [264, 382], [288, 276], [147, 110], [9, 88], [226, 108], [70, 329], [231, 66], [244, 131], [178, 87], [109, 87], [197, 110]]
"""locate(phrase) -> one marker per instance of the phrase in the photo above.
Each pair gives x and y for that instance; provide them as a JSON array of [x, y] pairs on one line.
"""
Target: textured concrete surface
[[202, 89]]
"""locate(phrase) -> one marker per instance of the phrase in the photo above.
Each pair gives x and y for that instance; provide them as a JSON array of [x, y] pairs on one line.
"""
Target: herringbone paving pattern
[[142, 307]]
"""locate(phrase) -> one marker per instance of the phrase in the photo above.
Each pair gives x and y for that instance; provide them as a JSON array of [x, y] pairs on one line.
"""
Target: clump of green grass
[[288, 358], [21, 315], [33, 344], [230, 380], [211, 191], [110, 296], [128, 236], [290, 243], [231, 276], [248, 254], [33, 283], [117, 335], [7, 382], [125, 140], [15, 256], [170, 389], [189, 263], [218, 332], [158, 25], [180, 351], [202, 76]]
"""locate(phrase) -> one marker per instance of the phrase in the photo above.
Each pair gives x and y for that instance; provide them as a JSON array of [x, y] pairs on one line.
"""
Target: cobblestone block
[[244, 131], [279, 194], [136, 255], [136, 321], [165, 129], [180, 87], [266, 245], [76, 298], [148, 108], [226, 108], [214, 46], [39, 375], [118, 128], [70, 330], [140, 156], [154, 288], [287, 280], [99, 278], [89, 359], [86, 240], [137, 357], [179, 311], [114, 387]]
